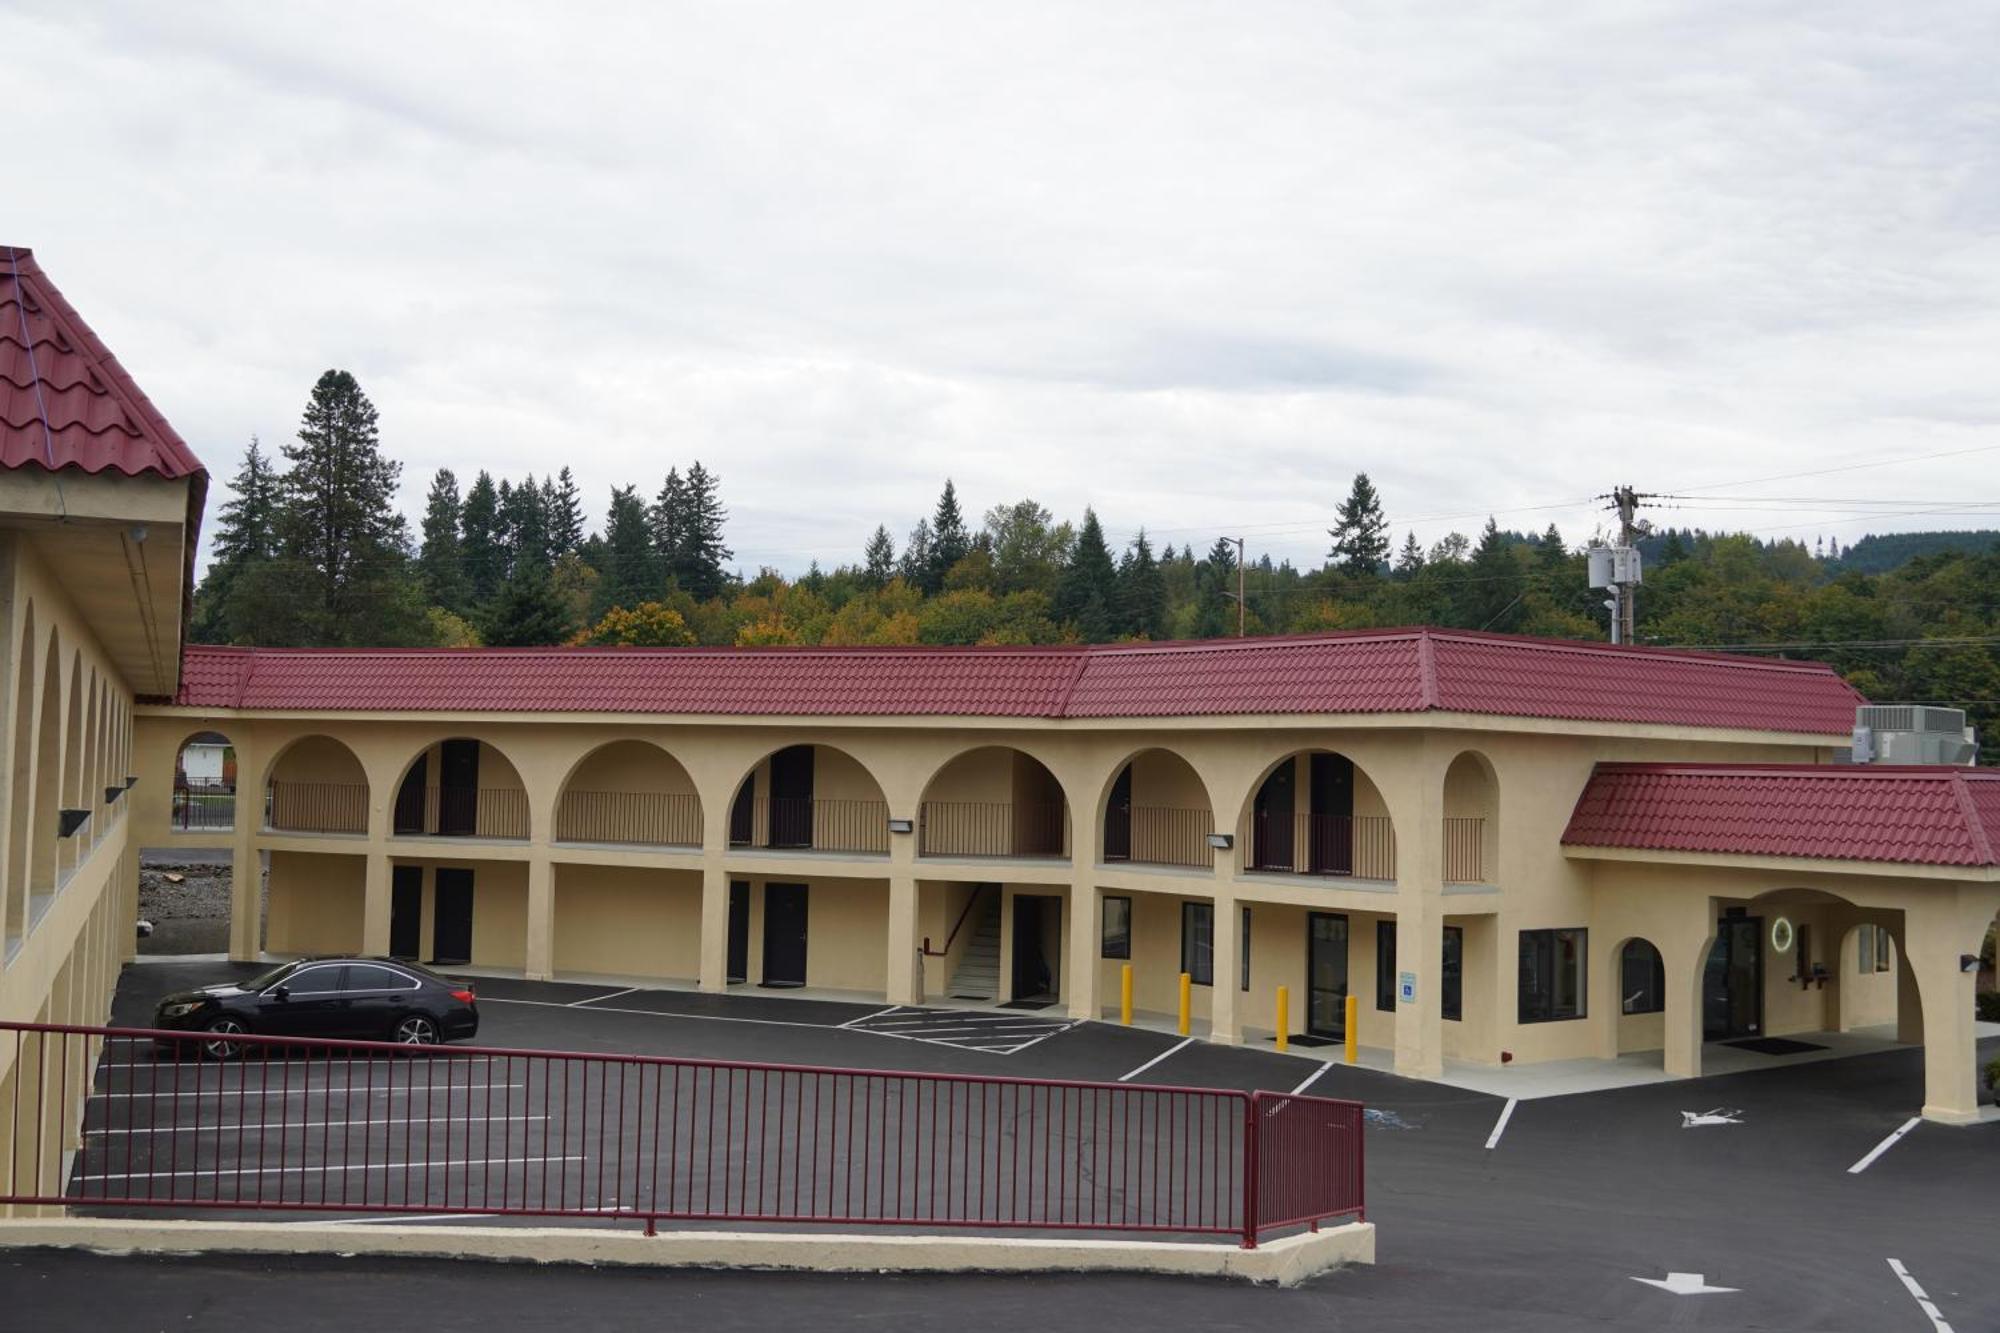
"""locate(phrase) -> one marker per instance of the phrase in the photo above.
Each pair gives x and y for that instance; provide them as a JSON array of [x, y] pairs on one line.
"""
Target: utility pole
[[1239, 585], [1617, 568], [1626, 501]]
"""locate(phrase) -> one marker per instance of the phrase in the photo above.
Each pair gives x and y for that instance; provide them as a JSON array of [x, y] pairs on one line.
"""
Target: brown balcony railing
[[203, 805], [462, 812], [318, 807], [992, 828], [805, 823], [643, 818], [1159, 835], [1363, 846], [1464, 851]]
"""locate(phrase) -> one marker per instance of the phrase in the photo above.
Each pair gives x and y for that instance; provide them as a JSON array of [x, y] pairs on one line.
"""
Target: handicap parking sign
[[1406, 987]]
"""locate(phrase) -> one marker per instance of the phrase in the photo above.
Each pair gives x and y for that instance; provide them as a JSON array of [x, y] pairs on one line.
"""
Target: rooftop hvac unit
[[1912, 734]]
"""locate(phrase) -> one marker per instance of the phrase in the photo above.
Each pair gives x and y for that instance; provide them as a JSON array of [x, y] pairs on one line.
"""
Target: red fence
[[365, 1127]]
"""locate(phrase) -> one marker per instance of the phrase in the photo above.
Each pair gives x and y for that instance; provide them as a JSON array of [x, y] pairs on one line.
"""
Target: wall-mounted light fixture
[[1968, 962], [1222, 842], [902, 826], [130, 782], [69, 821], [112, 793]]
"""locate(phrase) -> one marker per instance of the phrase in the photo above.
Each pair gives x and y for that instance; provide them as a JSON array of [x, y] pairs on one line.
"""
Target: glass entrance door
[[1732, 986], [1326, 975]]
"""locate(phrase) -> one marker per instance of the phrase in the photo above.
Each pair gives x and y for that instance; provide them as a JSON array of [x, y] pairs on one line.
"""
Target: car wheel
[[218, 1047], [416, 1030]]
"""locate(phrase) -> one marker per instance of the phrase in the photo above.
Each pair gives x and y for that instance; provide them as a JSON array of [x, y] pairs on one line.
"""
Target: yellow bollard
[[1125, 995], [1187, 1003], [1353, 1026], [1284, 1019]]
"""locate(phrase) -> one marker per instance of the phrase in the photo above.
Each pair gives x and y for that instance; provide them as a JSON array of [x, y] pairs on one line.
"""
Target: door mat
[[1301, 1039], [1774, 1045], [1029, 1004]]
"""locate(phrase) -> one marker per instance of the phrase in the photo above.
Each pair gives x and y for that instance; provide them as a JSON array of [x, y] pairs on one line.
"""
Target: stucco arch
[[1290, 834], [1471, 819], [19, 802], [90, 791], [315, 783], [809, 795], [42, 826], [69, 850], [993, 800], [204, 794], [629, 791], [1641, 1001], [460, 786], [1166, 813]]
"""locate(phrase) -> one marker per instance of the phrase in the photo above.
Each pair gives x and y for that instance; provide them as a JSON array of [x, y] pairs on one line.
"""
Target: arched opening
[[317, 785], [459, 787], [629, 793], [1642, 997], [1317, 813], [23, 777], [810, 798], [204, 783], [1157, 812], [1471, 820], [43, 820], [71, 827], [993, 801], [90, 796], [1864, 972]]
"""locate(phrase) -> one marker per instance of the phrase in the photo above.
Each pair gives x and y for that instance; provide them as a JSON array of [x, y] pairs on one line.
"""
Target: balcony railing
[[637, 818], [1362, 846], [203, 805], [1159, 835], [1464, 851], [462, 812], [992, 828], [804, 823], [318, 807]]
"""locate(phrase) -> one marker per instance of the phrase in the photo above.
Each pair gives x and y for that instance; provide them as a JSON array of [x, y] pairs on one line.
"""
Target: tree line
[[310, 550]]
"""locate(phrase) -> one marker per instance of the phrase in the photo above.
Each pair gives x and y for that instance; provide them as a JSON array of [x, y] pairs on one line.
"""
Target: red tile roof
[[1370, 671], [64, 399], [1924, 816]]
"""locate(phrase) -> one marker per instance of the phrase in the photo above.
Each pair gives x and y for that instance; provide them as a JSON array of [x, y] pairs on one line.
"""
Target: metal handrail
[[978, 892]]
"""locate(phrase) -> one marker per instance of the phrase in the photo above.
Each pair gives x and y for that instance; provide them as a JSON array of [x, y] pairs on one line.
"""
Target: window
[[1873, 943], [314, 981], [1117, 928], [1198, 942], [1243, 946], [1642, 979], [360, 976], [1385, 966], [1552, 975], [1451, 982]]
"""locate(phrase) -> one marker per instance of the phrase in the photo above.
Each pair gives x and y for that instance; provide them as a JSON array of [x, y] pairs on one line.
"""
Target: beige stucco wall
[[315, 903], [627, 921]]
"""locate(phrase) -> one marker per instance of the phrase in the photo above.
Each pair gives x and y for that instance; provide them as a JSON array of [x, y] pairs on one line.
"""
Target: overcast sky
[[1194, 265]]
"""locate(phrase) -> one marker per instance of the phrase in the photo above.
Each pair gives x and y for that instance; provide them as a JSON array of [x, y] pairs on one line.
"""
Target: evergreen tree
[[1411, 560], [525, 522], [949, 540], [479, 551], [1088, 592], [562, 506], [1214, 583], [504, 514], [668, 521], [915, 566], [630, 570], [530, 610], [1142, 592], [1492, 592], [703, 554], [246, 535], [440, 565], [880, 559], [1361, 534]]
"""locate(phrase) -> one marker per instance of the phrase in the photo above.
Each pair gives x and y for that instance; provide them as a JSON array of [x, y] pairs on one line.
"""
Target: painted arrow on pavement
[[1682, 1284]]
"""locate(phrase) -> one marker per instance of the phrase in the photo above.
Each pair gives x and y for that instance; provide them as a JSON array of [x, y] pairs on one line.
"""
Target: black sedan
[[367, 999]]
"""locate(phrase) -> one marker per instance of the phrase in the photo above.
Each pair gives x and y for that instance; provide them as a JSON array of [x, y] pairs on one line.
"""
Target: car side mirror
[[281, 992]]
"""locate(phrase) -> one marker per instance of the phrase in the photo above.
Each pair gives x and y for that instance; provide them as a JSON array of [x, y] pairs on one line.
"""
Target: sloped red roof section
[[1374, 671], [65, 402], [1917, 816]]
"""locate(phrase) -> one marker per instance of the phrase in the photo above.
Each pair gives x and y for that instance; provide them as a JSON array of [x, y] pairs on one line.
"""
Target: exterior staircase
[[977, 976]]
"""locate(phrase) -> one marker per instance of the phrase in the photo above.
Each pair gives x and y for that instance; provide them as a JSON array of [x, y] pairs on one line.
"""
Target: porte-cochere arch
[[1157, 811], [810, 798], [460, 787], [204, 794], [629, 793], [994, 800], [1315, 812], [316, 784]]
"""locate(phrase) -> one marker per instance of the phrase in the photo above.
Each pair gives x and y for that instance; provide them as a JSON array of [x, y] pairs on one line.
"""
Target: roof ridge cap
[[1429, 696], [1975, 827]]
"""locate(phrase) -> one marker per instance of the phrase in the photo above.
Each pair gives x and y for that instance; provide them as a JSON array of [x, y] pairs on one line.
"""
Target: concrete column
[[1084, 936], [1911, 1009], [1226, 971], [1418, 809], [714, 926], [375, 905], [1684, 966], [904, 966], [540, 963]]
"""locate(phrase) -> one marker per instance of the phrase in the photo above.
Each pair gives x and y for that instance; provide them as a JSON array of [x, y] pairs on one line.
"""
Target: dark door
[[312, 1005], [1033, 977], [1332, 822], [458, 794], [792, 797], [739, 930], [784, 935], [1326, 975], [410, 797], [1733, 980], [1272, 835], [451, 925], [406, 911], [743, 814], [378, 998], [1118, 818]]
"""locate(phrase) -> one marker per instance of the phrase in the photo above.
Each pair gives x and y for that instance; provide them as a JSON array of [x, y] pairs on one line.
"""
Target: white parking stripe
[[1500, 1126], [1312, 1078], [1127, 1078], [1884, 1146], [593, 999], [668, 1013], [115, 1130], [1924, 1303], [867, 1018], [318, 1090], [315, 1166]]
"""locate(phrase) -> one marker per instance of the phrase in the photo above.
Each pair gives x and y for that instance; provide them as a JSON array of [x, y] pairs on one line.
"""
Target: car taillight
[[463, 996]]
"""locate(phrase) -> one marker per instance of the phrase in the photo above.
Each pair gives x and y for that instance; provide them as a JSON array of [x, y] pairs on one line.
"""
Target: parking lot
[[1546, 1211]]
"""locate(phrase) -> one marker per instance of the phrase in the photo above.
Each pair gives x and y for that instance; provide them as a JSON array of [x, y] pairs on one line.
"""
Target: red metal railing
[[300, 1125], [318, 807], [1464, 850], [1360, 845], [992, 828], [1159, 835], [644, 818], [203, 805]]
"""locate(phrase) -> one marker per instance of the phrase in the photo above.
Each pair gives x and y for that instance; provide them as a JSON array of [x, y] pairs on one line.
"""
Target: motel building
[[1508, 850]]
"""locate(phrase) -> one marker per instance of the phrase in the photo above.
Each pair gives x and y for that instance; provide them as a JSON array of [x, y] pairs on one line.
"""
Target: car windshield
[[266, 980]]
